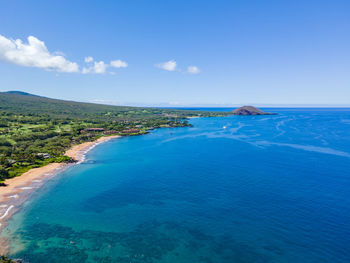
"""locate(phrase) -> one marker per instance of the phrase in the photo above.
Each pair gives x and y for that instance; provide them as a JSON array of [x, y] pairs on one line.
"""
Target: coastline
[[19, 188]]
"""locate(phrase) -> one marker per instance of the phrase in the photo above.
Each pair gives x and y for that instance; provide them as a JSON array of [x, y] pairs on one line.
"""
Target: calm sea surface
[[237, 189]]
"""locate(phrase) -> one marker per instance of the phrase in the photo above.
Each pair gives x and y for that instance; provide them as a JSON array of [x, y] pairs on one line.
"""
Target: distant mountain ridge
[[19, 102], [24, 103], [18, 92]]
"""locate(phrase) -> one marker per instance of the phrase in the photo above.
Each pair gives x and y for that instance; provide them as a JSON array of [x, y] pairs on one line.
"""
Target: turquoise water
[[265, 189]]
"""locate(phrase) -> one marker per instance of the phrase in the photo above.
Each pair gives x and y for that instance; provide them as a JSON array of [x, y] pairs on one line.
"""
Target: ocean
[[234, 189]]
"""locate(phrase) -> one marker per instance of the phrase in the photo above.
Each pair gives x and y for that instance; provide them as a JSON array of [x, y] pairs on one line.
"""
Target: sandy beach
[[18, 189]]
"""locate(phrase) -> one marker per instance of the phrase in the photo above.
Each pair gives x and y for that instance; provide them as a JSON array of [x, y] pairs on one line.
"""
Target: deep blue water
[[263, 189]]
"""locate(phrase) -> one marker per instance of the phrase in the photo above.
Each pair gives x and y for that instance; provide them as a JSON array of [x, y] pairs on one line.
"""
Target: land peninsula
[[36, 131]]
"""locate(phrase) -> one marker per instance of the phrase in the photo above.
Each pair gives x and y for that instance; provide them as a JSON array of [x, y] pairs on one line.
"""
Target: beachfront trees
[[3, 174], [4, 259]]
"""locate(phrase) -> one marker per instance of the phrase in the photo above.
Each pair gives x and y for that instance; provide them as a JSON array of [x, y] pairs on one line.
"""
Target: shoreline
[[19, 188]]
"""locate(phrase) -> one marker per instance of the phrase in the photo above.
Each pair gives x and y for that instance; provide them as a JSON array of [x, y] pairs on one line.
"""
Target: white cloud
[[87, 70], [97, 68], [34, 54], [88, 59], [101, 67], [118, 64], [193, 70], [169, 65]]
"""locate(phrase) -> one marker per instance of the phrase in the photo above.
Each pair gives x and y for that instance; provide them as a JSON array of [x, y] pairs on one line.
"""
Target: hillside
[[21, 102], [35, 131], [250, 110]]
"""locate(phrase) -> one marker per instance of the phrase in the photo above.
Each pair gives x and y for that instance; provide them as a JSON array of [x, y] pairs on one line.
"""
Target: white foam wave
[[346, 121], [7, 212], [236, 129], [280, 124], [309, 148], [26, 188]]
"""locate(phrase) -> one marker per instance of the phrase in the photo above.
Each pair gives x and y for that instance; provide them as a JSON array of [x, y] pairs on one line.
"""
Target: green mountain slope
[[20, 102]]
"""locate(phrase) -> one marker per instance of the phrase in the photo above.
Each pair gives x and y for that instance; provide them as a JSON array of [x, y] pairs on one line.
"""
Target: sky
[[178, 53]]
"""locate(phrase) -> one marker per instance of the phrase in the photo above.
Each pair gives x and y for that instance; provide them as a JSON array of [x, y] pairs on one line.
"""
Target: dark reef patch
[[149, 242]]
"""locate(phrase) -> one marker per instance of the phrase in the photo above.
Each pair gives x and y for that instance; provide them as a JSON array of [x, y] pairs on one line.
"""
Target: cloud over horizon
[[193, 70], [169, 65], [97, 68], [34, 54], [101, 67], [118, 63], [88, 59]]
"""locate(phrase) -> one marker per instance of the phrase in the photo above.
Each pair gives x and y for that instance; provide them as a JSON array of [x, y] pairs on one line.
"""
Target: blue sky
[[178, 52]]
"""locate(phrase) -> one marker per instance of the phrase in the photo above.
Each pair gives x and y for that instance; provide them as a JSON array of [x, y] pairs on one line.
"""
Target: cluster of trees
[[4, 259], [35, 131]]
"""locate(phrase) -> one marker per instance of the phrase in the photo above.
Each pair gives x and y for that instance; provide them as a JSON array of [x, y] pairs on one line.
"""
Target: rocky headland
[[250, 110]]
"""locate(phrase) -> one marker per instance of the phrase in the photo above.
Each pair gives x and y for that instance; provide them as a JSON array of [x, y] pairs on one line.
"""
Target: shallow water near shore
[[234, 189]]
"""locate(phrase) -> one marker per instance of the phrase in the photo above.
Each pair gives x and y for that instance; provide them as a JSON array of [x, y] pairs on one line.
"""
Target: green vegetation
[[35, 131], [4, 259]]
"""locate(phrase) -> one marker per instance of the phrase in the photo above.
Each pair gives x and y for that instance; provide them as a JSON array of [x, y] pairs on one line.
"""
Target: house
[[110, 132], [11, 161], [131, 131], [44, 155]]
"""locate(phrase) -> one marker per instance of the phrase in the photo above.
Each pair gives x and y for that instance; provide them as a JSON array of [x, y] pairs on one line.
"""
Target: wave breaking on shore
[[20, 188]]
